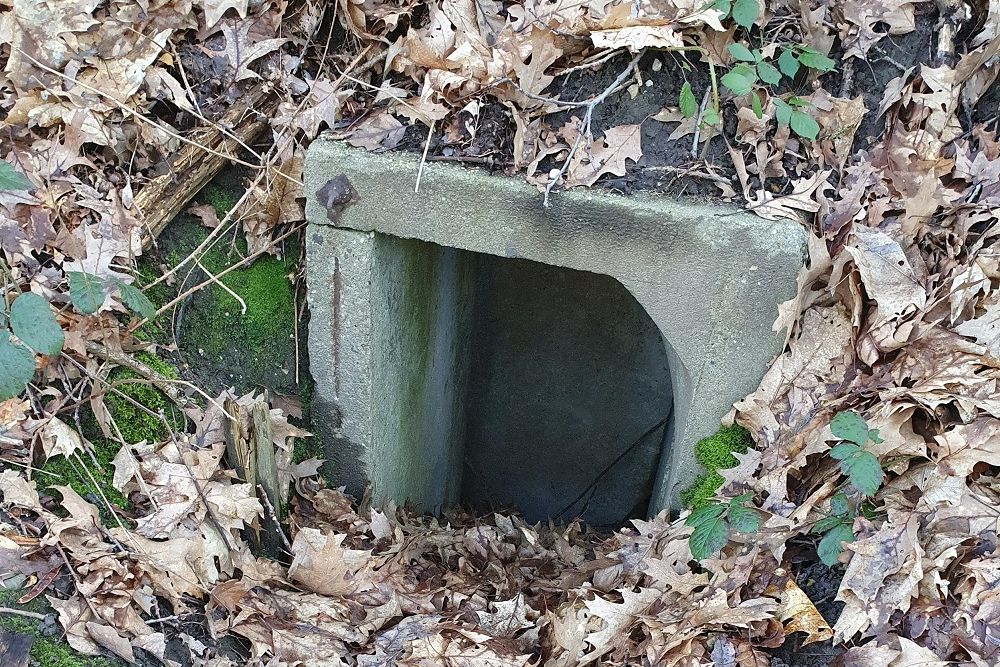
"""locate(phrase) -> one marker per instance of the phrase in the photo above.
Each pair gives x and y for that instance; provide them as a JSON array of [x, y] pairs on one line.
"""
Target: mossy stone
[[715, 453]]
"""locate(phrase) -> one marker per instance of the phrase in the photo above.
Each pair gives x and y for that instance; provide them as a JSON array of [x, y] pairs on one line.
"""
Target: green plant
[[713, 522], [715, 453], [836, 528], [87, 293], [30, 319], [864, 474]]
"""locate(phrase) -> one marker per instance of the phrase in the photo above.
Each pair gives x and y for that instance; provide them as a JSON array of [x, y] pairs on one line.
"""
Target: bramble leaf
[[745, 12], [134, 298], [844, 450], [832, 543], [17, 367], [704, 513], [816, 60], [768, 73], [865, 472], [788, 63], [32, 320], [743, 519], [755, 104], [849, 426], [11, 179], [804, 125], [740, 79], [741, 52], [839, 504], [708, 538], [86, 291]]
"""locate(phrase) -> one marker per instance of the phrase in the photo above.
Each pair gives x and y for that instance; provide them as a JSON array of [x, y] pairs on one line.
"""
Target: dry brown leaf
[[607, 155]]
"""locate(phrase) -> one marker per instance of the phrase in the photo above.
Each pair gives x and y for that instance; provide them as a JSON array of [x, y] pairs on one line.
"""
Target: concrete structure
[[470, 345]]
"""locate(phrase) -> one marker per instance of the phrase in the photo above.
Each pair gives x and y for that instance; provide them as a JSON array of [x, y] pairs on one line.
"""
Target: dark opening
[[568, 397]]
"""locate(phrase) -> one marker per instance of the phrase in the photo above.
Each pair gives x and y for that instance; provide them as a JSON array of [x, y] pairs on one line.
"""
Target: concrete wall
[[709, 276]]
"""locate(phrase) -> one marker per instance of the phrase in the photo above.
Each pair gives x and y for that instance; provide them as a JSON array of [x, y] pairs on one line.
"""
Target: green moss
[[91, 475], [715, 453], [45, 651], [135, 423], [220, 197]]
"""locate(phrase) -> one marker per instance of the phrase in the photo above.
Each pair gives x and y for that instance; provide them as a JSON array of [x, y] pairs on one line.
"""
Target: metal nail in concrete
[[469, 345]]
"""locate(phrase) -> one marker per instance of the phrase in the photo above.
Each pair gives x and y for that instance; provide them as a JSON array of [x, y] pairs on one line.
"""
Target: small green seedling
[[743, 12], [713, 522], [836, 528], [87, 292]]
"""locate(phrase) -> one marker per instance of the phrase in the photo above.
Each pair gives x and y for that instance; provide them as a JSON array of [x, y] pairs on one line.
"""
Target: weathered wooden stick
[[160, 200], [267, 476]]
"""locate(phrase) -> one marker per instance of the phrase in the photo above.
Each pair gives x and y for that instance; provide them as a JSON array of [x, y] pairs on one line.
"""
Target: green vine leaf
[[831, 545], [17, 367], [704, 513], [86, 291], [708, 538], [849, 426], [11, 179], [32, 320], [844, 450], [689, 105]]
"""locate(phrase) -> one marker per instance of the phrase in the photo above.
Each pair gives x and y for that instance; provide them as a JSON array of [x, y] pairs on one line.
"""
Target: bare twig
[[423, 158], [697, 123], [585, 129], [19, 612]]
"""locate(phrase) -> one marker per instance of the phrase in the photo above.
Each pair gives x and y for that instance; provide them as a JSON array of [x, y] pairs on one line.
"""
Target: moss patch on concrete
[[715, 453], [46, 651]]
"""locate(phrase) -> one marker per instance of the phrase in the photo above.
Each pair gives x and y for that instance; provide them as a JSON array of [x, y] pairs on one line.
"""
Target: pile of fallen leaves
[[897, 317]]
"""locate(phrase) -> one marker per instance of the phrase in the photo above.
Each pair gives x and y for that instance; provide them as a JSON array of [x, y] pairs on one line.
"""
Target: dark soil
[[820, 583]]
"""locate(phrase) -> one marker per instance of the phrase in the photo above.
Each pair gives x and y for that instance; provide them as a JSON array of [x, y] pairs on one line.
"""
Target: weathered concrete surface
[[709, 276]]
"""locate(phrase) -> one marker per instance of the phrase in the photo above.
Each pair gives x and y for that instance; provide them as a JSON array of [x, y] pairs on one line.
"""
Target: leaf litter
[[895, 320]]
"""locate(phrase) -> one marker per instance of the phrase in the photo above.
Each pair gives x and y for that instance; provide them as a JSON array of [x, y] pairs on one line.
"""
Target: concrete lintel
[[710, 276]]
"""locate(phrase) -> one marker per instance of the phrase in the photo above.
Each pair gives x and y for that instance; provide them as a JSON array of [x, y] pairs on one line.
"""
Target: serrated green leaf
[[742, 498], [844, 450], [86, 291], [689, 105], [745, 12], [839, 504], [136, 300], [740, 52], [17, 367], [782, 112], [755, 104], [708, 538], [743, 519], [711, 117], [32, 320], [826, 523], [723, 6], [815, 60], [11, 179], [768, 73], [704, 513], [740, 79], [849, 426], [788, 63], [832, 544], [865, 473], [804, 125]]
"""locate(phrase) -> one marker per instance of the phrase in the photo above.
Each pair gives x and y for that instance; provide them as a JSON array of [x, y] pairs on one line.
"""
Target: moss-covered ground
[[715, 453], [46, 651]]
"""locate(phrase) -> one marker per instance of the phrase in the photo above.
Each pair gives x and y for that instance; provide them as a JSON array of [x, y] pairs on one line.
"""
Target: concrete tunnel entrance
[[523, 385]]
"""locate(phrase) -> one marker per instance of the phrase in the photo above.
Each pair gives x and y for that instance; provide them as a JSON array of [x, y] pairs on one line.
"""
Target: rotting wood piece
[[15, 648], [160, 200], [267, 475]]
